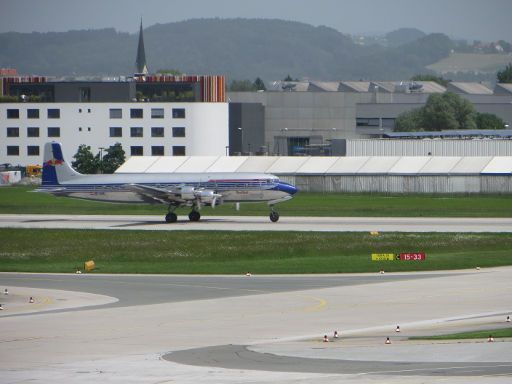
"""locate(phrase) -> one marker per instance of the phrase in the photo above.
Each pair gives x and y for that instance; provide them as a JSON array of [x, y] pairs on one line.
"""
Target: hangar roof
[[468, 88], [298, 165], [440, 165], [503, 88], [354, 86]]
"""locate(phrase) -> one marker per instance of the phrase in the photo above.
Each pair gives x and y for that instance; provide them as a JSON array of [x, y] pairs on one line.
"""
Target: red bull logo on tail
[[53, 163]]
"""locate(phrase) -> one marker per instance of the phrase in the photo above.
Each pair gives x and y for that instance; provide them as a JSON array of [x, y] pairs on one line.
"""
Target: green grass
[[502, 332], [219, 252], [20, 200]]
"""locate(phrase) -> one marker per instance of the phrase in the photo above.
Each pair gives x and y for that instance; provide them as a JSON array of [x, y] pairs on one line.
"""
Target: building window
[[116, 132], [13, 132], [13, 150], [116, 113], [157, 150], [13, 113], [157, 132], [53, 132], [136, 150], [157, 113], [178, 150], [367, 122], [32, 132], [85, 94], [178, 113], [136, 132], [33, 150], [54, 113], [33, 113], [136, 113], [178, 131]]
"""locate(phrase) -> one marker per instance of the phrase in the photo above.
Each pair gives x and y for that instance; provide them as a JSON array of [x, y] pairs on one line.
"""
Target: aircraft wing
[[180, 195], [157, 195]]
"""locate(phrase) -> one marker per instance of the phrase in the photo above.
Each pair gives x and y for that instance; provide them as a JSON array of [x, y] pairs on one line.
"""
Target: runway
[[259, 223]]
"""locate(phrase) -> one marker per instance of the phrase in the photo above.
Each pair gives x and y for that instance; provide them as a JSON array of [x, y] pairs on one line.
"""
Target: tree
[[505, 76], [113, 159], [411, 121], [438, 114], [442, 111], [259, 84], [172, 72], [288, 78], [242, 86], [489, 121], [463, 110], [427, 77], [85, 162]]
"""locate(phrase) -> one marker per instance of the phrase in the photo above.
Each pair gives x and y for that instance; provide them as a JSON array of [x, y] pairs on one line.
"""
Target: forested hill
[[236, 48]]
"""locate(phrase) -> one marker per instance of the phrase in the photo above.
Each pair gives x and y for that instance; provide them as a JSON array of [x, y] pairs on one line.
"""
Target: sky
[[487, 20]]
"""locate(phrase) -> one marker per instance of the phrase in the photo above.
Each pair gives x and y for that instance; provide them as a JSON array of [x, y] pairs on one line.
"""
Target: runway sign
[[417, 256], [383, 256]]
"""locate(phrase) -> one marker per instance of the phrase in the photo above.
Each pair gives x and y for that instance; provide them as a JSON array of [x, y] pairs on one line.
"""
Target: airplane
[[192, 190]]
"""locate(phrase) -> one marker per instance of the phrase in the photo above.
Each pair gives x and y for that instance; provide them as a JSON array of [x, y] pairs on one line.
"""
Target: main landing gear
[[194, 216], [171, 217]]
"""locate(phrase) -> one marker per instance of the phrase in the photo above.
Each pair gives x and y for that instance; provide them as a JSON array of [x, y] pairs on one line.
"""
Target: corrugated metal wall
[[445, 147], [401, 184]]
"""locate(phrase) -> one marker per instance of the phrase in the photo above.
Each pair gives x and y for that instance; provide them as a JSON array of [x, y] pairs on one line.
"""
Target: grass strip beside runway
[[19, 200], [217, 252], [502, 332]]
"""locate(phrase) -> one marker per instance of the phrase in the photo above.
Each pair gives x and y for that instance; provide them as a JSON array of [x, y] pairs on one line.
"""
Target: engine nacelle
[[188, 193], [207, 196]]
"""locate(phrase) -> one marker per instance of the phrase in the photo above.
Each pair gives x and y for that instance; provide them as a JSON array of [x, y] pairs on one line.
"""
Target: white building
[[142, 128]]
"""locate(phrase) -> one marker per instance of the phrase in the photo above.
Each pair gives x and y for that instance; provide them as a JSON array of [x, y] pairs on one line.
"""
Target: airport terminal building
[[184, 117], [316, 118]]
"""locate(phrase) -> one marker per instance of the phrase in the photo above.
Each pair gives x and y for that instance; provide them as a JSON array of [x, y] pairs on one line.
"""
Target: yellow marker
[[383, 256], [89, 265]]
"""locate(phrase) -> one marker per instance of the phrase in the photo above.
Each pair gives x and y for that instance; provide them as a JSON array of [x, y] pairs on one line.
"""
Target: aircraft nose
[[288, 188]]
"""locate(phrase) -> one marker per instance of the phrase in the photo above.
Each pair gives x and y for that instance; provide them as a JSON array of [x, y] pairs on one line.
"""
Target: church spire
[[142, 68]]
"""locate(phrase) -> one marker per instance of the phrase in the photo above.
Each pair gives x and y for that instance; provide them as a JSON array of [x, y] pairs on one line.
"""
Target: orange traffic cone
[[490, 339], [335, 334], [508, 319], [326, 339], [388, 341], [31, 300], [397, 328]]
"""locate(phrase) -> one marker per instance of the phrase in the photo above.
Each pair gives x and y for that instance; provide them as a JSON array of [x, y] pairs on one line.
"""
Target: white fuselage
[[234, 187]]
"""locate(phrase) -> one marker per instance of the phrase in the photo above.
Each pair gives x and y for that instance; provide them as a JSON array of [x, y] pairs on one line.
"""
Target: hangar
[[356, 174]]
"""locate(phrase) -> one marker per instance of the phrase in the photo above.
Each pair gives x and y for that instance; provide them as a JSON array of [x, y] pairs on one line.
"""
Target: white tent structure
[[383, 174]]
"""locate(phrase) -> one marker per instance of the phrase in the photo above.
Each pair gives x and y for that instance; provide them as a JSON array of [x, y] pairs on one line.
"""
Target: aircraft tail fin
[[55, 168]]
